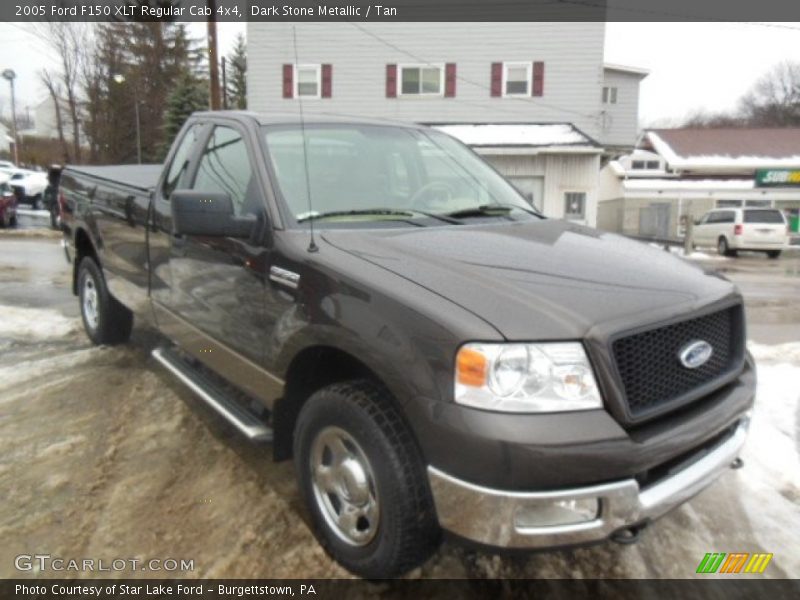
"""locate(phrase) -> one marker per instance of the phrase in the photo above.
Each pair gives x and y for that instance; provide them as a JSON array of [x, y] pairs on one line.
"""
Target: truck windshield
[[367, 173]]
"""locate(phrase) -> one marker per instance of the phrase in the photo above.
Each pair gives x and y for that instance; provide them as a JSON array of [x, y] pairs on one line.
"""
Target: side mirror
[[208, 214]]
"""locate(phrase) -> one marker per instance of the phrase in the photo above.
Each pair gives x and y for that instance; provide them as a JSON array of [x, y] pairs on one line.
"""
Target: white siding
[[620, 121], [562, 173], [359, 53]]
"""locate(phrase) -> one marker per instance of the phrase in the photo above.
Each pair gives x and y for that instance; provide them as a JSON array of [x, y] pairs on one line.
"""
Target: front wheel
[[105, 320], [363, 481], [773, 253]]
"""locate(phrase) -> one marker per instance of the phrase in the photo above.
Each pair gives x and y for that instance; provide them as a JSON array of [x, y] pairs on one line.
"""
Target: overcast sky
[[692, 65]]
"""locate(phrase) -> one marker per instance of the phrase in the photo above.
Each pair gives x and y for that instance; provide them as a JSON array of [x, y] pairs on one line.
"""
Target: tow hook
[[628, 535], [737, 463]]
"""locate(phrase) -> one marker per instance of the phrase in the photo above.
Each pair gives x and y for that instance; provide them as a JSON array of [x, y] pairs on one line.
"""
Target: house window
[[728, 203], [575, 205], [308, 81], [609, 95], [517, 78], [418, 80], [759, 203]]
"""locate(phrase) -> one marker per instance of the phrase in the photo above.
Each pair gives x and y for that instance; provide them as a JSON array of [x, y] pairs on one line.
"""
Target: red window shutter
[[391, 81], [288, 81], [327, 81], [450, 80], [538, 78], [497, 79]]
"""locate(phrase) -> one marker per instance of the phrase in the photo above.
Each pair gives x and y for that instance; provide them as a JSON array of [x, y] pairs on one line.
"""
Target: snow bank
[[694, 255], [781, 353], [34, 323]]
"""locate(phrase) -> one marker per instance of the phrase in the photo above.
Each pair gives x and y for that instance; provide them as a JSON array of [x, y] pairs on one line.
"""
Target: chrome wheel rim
[[344, 486], [90, 302]]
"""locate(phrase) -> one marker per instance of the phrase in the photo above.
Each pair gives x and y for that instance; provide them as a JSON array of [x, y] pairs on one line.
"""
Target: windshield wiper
[[389, 212], [488, 210]]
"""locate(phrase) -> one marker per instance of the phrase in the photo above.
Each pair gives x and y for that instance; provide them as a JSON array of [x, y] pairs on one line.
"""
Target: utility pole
[[213, 72], [224, 86], [120, 78], [10, 75]]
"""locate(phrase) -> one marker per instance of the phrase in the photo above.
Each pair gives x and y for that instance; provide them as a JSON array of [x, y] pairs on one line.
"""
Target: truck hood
[[546, 279]]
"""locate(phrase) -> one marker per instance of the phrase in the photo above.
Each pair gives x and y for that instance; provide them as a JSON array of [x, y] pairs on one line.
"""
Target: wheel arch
[[310, 370], [84, 246]]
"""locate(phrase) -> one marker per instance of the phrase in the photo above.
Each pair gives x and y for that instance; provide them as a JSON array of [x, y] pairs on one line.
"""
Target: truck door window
[[180, 162], [225, 167]]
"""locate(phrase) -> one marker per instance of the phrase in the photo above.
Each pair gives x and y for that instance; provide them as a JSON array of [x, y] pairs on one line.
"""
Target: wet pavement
[[103, 455]]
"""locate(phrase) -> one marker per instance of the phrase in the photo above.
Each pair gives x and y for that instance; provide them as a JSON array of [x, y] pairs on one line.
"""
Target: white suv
[[732, 229]]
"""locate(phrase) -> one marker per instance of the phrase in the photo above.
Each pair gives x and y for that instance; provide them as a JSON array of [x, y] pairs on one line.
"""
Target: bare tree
[[774, 100], [54, 89], [70, 42]]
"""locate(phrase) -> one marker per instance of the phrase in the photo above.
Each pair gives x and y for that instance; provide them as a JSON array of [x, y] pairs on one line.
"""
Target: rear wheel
[[773, 253], [363, 481], [106, 320], [723, 249]]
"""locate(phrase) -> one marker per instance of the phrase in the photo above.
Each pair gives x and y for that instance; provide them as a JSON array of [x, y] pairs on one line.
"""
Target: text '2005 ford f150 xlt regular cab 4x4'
[[433, 353]]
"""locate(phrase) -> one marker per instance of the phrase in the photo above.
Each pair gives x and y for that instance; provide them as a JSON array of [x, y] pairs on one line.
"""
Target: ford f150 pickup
[[434, 354]]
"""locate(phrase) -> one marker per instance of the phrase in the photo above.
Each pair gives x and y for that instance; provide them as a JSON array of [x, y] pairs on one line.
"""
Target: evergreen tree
[[237, 75], [189, 94], [136, 63]]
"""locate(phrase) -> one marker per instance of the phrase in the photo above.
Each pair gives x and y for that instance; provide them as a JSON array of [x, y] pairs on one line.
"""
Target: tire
[[774, 253], [105, 320], [395, 527], [12, 222], [36, 202], [723, 249]]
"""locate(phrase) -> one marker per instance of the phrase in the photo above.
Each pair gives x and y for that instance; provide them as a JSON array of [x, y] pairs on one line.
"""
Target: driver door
[[216, 303]]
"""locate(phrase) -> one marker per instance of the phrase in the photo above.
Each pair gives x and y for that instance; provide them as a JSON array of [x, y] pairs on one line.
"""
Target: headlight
[[526, 378]]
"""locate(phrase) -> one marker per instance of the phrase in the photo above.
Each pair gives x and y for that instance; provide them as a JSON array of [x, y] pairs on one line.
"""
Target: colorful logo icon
[[734, 562]]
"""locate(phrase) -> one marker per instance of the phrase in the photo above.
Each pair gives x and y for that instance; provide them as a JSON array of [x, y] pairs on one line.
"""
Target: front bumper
[[507, 518]]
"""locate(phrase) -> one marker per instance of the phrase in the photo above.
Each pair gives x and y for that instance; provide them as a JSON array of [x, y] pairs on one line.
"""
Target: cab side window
[[225, 167], [180, 162]]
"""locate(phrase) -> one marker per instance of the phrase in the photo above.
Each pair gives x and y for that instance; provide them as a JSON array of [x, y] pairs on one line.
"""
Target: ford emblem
[[695, 354]]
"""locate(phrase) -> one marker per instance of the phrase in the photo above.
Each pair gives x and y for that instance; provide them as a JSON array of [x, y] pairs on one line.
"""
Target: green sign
[[769, 177]]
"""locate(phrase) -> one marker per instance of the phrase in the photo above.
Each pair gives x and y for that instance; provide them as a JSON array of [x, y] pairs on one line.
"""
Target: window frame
[[203, 128], [296, 81], [402, 66], [528, 72], [208, 134], [610, 94], [585, 194]]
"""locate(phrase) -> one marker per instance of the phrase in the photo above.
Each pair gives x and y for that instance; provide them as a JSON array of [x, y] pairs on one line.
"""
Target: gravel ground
[[103, 455]]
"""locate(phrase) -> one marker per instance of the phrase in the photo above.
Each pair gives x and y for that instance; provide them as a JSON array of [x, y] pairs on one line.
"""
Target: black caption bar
[[210, 589], [399, 10]]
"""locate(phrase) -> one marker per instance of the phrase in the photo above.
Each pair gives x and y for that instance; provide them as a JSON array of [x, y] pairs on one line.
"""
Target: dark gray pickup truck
[[433, 353]]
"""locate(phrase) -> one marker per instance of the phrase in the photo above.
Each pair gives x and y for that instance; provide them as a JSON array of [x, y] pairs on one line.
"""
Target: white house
[[677, 174], [527, 96]]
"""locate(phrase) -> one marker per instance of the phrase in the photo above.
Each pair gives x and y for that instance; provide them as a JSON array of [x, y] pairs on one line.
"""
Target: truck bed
[[141, 177]]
